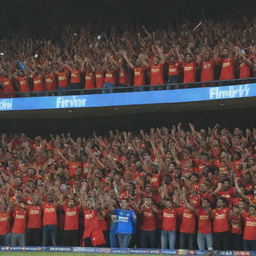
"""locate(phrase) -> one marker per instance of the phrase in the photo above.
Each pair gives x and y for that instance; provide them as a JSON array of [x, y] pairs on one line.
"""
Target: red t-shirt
[[148, 220], [249, 227], [157, 74], [139, 75], [89, 80], [204, 221], [62, 79], [124, 77], [7, 85], [50, 82], [207, 73], [244, 71], [188, 221], [189, 70], [173, 69], [49, 214], [4, 222], [34, 216], [220, 220], [227, 69], [19, 221], [91, 222], [38, 83], [23, 83], [169, 221], [71, 218], [110, 77], [75, 76], [99, 79], [236, 224], [72, 166]]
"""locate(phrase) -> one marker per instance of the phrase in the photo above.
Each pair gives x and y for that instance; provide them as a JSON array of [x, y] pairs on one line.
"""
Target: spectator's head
[[138, 63], [89, 203], [124, 204], [226, 52], [18, 181], [205, 203], [242, 205], [237, 155], [226, 184], [252, 210], [49, 198], [221, 202], [203, 187], [172, 59], [35, 201], [31, 172], [188, 57], [71, 203], [168, 203], [207, 56], [235, 209], [156, 60]]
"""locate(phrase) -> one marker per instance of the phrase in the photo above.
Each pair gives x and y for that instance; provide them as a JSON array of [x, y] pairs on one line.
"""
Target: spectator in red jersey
[[245, 64], [89, 77], [75, 77], [34, 224], [148, 224], [221, 227], [62, 79], [169, 225], [5, 219], [207, 67], [236, 223], [7, 86], [71, 228], [173, 73], [49, 222], [204, 236], [225, 189], [249, 241], [124, 74], [188, 67], [19, 225], [187, 225], [227, 65], [139, 69], [93, 235], [23, 83], [157, 69]]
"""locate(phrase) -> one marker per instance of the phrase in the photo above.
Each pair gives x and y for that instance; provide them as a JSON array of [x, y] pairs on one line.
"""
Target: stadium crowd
[[85, 58], [163, 188]]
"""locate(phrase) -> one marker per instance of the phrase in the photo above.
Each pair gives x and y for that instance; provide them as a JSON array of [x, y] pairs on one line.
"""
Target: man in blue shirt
[[127, 222], [113, 236]]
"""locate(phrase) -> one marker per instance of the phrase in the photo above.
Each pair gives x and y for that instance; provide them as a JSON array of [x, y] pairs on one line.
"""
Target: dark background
[[84, 126], [48, 17]]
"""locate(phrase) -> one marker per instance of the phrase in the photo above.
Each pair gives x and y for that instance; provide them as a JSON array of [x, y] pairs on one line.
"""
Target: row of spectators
[[167, 187], [81, 59]]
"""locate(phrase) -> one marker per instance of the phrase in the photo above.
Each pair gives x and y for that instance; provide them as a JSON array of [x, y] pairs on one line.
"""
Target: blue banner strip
[[129, 98], [126, 251]]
